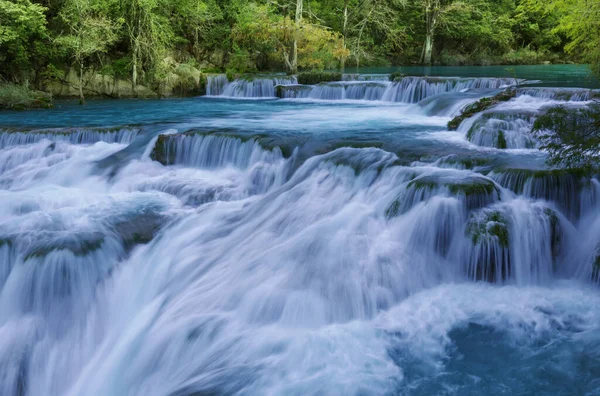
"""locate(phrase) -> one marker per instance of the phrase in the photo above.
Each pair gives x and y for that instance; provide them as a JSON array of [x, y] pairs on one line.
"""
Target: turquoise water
[[549, 75], [339, 240]]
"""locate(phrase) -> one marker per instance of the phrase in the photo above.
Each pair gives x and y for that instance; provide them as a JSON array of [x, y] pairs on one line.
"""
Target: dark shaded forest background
[[149, 41]]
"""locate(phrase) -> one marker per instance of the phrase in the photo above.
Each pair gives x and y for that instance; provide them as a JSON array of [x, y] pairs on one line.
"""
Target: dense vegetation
[[151, 41]]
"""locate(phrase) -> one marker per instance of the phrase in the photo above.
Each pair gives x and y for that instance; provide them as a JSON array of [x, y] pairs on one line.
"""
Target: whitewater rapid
[[297, 247]]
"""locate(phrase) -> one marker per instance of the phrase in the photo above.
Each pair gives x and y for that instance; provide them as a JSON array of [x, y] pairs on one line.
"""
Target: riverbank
[[192, 82]]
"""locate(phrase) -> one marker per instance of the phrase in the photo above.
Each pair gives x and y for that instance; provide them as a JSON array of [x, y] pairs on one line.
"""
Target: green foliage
[[570, 136], [20, 97], [144, 41], [312, 78], [22, 28]]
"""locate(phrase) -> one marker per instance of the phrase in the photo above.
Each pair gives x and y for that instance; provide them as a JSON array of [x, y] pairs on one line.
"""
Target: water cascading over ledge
[[13, 137], [371, 88], [282, 247]]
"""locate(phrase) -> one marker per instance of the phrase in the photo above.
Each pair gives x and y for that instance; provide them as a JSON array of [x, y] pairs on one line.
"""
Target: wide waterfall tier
[[359, 87], [267, 166], [407, 90], [560, 94], [123, 135], [501, 129], [248, 87]]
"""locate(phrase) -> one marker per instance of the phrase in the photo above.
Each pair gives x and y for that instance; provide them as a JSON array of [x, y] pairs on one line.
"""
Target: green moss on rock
[[313, 78], [492, 225], [481, 105], [501, 143]]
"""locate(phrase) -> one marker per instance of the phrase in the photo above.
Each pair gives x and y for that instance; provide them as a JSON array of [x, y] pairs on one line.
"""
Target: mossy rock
[[475, 191], [468, 186], [159, 152], [466, 163], [481, 105], [491, 225], [79, 248], [281, 89], [397, 76], [313, 78]]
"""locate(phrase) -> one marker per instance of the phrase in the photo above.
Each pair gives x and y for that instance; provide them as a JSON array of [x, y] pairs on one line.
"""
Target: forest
[[152, 41]]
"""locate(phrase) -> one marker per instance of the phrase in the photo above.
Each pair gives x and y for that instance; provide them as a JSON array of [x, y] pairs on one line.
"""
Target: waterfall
[[256, 87], [562, 94], [407, 90], [73, 135], [570, 190], [353, 246], [504, 130], [216, 84], [266, 167]]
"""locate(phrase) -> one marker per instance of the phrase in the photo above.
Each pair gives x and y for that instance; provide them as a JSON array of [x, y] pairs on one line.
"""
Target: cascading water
[[293, 247]]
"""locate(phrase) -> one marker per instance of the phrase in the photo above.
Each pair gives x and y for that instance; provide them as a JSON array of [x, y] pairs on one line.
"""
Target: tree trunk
[[428, 48], [344, 30], [81, 97], [134, 57], [431, 12], [294, 62]]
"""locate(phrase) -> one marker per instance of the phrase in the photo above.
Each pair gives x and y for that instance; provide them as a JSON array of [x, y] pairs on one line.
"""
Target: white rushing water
[[226, 263]]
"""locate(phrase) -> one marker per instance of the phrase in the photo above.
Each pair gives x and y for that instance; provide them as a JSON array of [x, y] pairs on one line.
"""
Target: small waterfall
[[266, 167], [415, 89], [497, 238], [72, 135], [375, 87], [216, 84], [408, 90], [503, 130], [571, 191], [562, 94], [356, 90], [256, 87], [450, 104]]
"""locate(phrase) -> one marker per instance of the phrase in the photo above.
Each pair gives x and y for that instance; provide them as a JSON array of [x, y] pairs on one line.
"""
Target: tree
[[571, 137], [91, 32], [299, 43], [22, 29]]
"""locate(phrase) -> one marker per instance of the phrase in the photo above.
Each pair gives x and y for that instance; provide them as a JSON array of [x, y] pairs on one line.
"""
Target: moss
[[312, 78], [555, 232], [469, 189], [468, 163], [481, 105], [5, 241], [159, 152], [493, 224], [397, 76], [501, 143], [79, 248], [422, 184], [393, 210]]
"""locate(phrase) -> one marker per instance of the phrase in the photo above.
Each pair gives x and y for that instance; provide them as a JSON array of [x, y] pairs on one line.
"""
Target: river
[[278, 239]]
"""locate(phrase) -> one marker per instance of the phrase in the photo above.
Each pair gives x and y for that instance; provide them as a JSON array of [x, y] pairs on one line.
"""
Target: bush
[[20, 97], [312, 78]]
